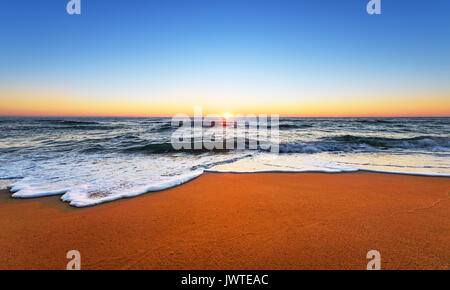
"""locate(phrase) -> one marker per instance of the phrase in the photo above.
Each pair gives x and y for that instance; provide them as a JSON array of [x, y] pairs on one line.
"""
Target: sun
[[227, 115]]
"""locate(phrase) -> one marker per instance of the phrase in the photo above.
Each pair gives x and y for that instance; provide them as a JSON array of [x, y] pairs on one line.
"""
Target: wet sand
[[240, 221]]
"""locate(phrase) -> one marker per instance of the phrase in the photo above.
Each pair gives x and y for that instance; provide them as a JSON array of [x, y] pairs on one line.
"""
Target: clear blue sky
[[153, 49]]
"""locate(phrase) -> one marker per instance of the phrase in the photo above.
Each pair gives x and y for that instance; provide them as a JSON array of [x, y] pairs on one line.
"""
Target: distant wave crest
[[347, 143]]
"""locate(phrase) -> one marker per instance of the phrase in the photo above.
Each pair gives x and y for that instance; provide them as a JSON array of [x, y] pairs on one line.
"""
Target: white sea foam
[[85, 196], [92, 179], [267, 162], [334, 163], [98, 179]]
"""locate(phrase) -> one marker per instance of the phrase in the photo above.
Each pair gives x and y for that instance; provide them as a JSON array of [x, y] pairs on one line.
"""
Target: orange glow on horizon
[[45, 104]]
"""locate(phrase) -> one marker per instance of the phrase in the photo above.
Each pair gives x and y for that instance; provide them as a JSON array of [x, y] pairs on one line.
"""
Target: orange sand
[[241, 221]]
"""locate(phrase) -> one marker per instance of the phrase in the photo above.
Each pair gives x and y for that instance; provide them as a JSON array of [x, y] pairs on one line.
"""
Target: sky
[[161, 57]]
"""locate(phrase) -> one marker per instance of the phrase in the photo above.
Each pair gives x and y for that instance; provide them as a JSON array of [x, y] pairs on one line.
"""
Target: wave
[[150, 148], [342, 143], [43, 129], [163, 126], [295, 126], [84, 195], [88, 128], [196, 147], [67, 122], [374, 121], [349, 143], [132, 144], [385, 142], [158, 148]]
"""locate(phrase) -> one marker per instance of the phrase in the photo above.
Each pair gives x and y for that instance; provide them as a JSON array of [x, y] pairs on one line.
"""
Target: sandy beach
[[240, 221]]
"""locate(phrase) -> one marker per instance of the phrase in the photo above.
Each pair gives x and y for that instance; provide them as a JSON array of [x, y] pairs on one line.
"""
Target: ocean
[[94, 160]]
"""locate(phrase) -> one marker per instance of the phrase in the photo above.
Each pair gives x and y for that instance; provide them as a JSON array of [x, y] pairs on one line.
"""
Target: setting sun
[[227, 115]]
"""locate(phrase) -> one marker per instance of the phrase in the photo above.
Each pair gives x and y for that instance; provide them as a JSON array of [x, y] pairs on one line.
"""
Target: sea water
[[93, 160]]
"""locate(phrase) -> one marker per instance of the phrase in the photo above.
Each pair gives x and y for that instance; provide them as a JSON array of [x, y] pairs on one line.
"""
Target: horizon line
[[165, 116]]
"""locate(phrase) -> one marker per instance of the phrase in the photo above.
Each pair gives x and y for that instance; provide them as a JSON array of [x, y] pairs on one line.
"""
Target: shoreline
[[432, 175], [240, 221], [438, 175]]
